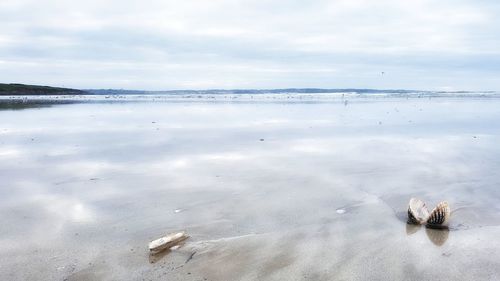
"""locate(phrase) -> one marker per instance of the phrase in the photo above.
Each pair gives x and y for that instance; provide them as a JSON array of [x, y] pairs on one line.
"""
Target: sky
[[229, 44]]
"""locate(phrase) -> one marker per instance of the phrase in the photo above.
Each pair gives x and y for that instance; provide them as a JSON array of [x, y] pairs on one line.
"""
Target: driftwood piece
[[167, 242]]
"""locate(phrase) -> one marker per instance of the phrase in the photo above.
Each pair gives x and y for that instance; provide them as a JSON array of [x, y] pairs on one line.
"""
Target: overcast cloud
[[191, 44]]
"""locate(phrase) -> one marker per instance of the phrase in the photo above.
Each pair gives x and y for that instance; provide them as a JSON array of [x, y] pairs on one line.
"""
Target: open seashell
[[417, 211], [439, 216]]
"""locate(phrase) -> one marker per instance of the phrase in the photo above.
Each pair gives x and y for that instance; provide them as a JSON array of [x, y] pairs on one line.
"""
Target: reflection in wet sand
[[155, 257], [437, 236], [86, 186], [22, 104], [412, 228]]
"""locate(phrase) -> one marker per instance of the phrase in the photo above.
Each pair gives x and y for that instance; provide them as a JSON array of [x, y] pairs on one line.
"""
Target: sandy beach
[[267, 190]]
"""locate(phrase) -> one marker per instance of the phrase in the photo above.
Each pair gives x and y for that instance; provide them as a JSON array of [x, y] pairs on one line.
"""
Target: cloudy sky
[[200, 44]]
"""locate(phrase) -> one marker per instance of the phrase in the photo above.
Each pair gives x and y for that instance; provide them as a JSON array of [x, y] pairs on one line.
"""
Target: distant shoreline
[[37, 90]]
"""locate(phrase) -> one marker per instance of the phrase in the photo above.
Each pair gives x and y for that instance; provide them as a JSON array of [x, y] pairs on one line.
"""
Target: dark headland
[[22, 89]]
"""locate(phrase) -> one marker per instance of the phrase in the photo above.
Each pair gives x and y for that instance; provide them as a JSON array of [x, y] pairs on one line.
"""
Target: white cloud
[[225, 44]]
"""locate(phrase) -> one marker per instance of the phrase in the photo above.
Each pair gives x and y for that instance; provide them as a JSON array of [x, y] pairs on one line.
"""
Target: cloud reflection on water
[[124, 182]]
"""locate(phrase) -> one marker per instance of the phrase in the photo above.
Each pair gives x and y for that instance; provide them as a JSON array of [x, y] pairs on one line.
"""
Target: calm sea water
[[267, 189]]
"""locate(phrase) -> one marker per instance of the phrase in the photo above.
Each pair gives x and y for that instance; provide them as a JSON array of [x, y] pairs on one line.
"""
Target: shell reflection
[[412, 228], [437, 236]]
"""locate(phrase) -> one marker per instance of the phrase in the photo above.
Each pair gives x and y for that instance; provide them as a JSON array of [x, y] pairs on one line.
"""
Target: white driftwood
[[167, 242]]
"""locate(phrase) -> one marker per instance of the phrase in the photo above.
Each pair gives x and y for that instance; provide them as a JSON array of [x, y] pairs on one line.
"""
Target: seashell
[[167, 242], [440, 215], [417, 211]]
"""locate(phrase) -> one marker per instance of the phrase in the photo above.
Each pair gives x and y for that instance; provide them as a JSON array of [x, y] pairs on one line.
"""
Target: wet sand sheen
[[258, 186]]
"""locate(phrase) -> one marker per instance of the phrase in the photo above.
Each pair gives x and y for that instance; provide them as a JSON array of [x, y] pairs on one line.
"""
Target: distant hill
[[246, 91], [22, 89]]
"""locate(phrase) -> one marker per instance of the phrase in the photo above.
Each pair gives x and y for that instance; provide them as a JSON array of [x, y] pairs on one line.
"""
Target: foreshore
[[289, 190]]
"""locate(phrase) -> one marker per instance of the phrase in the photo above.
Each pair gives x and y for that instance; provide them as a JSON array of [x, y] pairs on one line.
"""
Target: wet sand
[[267, 190]]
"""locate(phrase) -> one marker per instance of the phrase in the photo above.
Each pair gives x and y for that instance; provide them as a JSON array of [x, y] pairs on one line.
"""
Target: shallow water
[[267, 190]]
